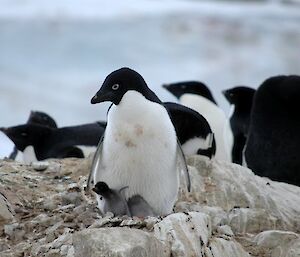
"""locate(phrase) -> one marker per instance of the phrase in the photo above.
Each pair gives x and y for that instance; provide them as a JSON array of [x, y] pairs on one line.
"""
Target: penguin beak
[[102, 97], [165, 86], [226, 94], [4, 130]]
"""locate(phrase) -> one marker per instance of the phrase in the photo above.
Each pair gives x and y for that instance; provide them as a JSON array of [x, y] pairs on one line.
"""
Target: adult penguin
[[240, 99], [198, 97], [272, 148], [139, 148]]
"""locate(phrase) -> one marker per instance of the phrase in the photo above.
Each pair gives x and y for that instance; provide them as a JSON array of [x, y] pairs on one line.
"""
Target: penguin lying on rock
[[58, 143]]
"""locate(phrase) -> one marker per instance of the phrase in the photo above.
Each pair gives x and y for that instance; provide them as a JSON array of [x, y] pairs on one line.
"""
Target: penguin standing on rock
[[198, 97], [139, 148], [240, 99], [272, 147]]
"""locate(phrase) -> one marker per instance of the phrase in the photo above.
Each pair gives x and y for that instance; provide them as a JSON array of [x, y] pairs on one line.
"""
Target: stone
[[231, 186], [6, 210], [40, 166], [117, 242], [186, 233]]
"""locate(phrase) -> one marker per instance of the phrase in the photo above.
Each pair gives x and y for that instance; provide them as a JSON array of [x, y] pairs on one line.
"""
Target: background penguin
[[113, 200], [139, 148], [192, 129], [272, 148], [240, 99], [55, 142], [198, 97], [35, 117]]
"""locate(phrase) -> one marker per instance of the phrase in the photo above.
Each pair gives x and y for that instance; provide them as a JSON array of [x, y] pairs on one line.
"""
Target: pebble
[[40, 166]]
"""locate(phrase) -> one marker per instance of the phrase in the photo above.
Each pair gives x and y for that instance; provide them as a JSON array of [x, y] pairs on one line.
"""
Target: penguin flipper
[[183, 166], [95, 163]]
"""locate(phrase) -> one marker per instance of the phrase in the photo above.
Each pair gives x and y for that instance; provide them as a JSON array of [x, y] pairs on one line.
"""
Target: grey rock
[[40, 166], [117, 242], [6, 210]]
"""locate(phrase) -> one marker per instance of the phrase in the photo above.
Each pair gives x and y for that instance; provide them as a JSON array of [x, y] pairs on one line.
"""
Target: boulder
[[117, 242]]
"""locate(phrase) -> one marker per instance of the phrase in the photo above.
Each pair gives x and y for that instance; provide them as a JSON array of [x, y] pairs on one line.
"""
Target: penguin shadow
[[115, 202]]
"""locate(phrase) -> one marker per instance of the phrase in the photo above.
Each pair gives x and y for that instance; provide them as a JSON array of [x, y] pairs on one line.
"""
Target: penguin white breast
[[217, 121], [139, 151]]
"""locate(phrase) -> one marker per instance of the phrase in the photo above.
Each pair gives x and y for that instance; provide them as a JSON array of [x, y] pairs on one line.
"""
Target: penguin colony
[[141, 147]]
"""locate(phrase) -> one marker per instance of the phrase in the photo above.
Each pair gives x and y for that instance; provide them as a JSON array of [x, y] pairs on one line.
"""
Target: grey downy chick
[[113, 200]]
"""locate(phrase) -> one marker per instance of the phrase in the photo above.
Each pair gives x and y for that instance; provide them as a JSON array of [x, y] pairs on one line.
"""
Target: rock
[[15, 231], [231, 186], [71, 198], [117, 242], [278, 243], [186, 233], [40, 166], [6, 210], [220, 247]]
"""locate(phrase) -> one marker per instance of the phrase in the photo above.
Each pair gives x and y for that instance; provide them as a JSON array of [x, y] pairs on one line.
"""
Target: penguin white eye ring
[[115, 86]]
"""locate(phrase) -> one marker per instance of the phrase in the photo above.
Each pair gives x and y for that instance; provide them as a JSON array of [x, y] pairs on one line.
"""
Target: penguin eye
[[24, 134], [115, 86]]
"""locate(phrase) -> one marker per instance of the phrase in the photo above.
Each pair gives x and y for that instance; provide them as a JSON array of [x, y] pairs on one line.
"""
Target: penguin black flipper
[[183, 166], [95, 163]]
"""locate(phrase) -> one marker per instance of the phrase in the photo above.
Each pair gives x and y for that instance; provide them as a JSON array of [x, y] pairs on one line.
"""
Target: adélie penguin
[[192, 129], [27, 154], [198, 97], [139, 148], [55, 142], [240, 98], [272, 147]]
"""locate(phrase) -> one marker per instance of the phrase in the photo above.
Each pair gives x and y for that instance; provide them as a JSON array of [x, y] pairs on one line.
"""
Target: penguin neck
[[132, 105]]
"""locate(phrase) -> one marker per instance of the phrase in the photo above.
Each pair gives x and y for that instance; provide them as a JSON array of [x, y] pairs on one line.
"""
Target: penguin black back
[[190, 87], [41, 118], [190, 124], [272, 148], [241, 99]]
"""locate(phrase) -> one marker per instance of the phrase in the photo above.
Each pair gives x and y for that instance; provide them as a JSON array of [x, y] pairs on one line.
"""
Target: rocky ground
[[229, 212]]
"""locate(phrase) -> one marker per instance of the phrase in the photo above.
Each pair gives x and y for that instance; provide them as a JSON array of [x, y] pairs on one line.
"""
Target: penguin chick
[[113, 201], [139, 207]]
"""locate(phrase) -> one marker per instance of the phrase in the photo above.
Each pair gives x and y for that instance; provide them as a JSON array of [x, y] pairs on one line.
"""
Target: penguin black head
[[25, 135], [118, 83], [101, 188], [189, 87], [41, 118], [238, 95]]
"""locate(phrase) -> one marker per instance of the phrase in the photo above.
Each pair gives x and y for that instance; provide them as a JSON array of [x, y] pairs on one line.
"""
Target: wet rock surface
[[44, 211]]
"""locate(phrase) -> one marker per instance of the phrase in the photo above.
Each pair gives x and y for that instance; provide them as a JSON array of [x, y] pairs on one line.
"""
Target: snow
[[55, 54]]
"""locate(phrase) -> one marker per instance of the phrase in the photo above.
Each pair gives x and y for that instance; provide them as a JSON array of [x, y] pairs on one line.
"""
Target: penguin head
[[101, 188], [189, 87], [26, 135], [118, 83], [238, 95], [41, 118]]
